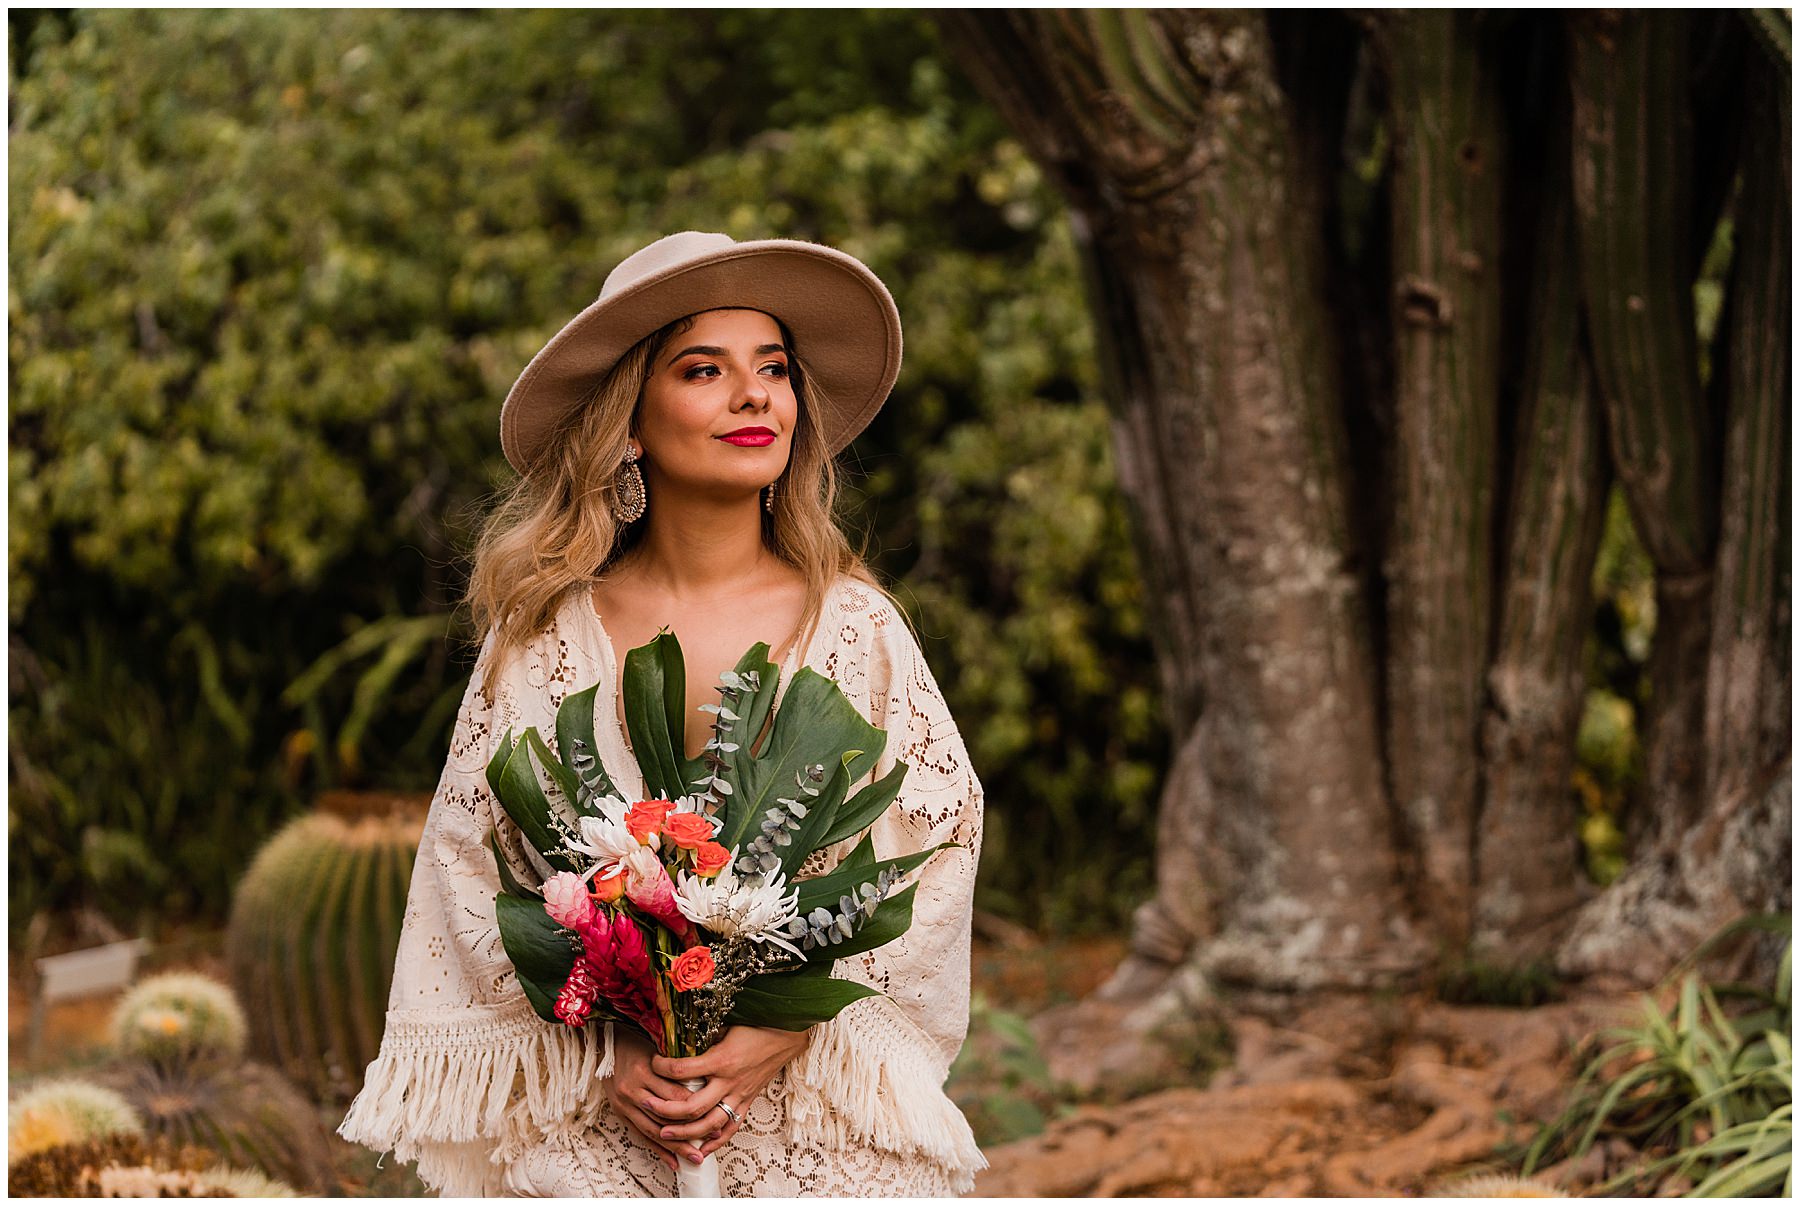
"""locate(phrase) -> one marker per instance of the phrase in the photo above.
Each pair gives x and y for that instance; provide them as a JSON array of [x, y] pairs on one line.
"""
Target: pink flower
[[576, 1000], [566, 900], [614, 949], [648, 886]]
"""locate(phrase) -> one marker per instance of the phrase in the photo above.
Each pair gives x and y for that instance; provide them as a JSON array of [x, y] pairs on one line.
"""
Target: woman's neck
[[698, 549]]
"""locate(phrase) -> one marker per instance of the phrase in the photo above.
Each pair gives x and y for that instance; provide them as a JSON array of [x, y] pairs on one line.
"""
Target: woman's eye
[[697, 370], [781, 370]]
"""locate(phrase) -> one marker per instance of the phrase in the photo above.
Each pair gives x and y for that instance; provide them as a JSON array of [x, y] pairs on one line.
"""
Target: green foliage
[[314, 928], [1609, 755], [273, 273], [999, 1079], [1709, 1094]]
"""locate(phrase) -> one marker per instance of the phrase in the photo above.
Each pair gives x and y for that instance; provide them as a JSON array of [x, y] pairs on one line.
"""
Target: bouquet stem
[[697, 1180]]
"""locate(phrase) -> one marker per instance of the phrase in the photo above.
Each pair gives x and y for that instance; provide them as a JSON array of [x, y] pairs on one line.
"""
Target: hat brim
[[843, 320]]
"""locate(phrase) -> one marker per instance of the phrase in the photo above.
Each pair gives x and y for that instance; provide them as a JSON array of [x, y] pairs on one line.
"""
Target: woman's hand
[[634, 1086], [737, 1069]]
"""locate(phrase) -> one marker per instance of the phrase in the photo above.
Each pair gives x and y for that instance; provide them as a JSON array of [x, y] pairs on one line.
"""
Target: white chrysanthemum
[[730, 906], [606, 840]]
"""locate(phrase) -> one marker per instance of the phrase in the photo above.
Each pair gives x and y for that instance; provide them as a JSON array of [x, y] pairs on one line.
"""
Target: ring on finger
[[730, 1111]]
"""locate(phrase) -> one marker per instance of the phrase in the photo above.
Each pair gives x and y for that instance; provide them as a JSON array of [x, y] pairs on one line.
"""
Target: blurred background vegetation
[[272, 273]]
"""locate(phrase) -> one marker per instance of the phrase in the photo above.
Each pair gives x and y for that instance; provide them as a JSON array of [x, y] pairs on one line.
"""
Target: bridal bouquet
[[681, 914]]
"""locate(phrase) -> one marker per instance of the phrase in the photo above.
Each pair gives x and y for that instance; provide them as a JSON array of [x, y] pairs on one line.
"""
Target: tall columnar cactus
[[55, 1113], [179, 1016], [314, 928]]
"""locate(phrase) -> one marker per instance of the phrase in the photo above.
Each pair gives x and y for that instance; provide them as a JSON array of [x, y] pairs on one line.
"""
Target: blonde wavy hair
[[554, 529]]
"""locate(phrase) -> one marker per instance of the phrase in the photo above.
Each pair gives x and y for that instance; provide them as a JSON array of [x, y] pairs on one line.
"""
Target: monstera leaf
[[817, 745]]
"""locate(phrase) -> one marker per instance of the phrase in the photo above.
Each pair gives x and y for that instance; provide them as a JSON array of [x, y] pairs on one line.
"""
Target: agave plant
[[1717, 1089], [776, 797]]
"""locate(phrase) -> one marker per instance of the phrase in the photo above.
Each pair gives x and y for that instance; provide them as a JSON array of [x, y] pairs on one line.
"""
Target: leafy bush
[[273, 272]]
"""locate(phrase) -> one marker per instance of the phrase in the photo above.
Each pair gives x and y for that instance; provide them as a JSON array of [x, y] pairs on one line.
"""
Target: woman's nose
[[756, 393]]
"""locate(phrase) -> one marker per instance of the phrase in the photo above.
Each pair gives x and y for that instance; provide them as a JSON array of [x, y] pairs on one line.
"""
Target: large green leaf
[[508, 880], [496, 764], [794, 1000], [565, 779], [579, 746], [820, 813], [541, 951], [864, 807], [655, 687], [522, 796], [847, 876], [892, 917], [815, 724]]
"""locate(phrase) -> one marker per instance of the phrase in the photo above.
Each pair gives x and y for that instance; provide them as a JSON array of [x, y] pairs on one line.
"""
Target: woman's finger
[[647, 1127], [719, 1138], [705, 1115]]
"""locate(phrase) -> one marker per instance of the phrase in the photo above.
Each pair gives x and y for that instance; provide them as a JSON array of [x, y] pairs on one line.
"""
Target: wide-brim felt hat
[[844, 322]]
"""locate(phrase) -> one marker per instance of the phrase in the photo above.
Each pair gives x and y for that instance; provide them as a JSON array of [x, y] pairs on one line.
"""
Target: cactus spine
[[313, 932]]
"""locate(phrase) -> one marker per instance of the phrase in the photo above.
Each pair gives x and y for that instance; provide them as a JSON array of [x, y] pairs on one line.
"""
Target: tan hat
[[842, 317]]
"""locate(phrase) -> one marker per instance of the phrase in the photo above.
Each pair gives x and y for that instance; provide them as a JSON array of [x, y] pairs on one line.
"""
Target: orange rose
[[687, 829], [710, 858], [646, 817], [692, 968], [608, 888]]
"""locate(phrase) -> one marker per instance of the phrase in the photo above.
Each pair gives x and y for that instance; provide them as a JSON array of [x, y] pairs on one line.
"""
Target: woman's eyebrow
[[708, 350]]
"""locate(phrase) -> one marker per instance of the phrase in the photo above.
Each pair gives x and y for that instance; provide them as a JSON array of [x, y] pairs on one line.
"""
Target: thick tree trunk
[[1205, 258], [1528, 856], [1449, 168]]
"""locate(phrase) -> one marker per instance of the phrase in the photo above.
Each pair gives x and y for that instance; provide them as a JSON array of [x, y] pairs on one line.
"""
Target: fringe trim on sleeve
[[464, 1091], [870, 1076]]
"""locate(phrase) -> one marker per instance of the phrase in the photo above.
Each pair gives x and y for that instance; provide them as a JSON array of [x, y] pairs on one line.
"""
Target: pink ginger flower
[[566, 900], [648, 886], [614, 949], [576, 1000]]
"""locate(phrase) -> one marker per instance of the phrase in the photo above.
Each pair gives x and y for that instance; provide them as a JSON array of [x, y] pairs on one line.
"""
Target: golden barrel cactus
[[314, 927]]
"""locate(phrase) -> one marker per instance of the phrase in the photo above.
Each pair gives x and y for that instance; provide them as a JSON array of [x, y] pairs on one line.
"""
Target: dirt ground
[[1336, 1095], [1332, 1095]]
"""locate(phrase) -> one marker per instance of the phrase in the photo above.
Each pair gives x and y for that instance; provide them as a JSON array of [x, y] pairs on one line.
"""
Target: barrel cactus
[[313, 931], [179, 1016], [246, 1113], [134, 1166], [55, 1113]]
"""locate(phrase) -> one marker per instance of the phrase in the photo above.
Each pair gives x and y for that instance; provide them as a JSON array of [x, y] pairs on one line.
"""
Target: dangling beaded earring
[[769, 498], [628, 485]]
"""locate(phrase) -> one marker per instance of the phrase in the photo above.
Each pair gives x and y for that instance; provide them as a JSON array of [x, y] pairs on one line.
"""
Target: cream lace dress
[[489, 1099]]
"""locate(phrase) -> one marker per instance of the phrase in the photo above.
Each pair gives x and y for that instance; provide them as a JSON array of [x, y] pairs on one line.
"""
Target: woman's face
[[727, 372]]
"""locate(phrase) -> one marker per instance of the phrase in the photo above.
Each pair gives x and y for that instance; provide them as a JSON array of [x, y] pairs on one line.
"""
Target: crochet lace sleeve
[[875, 1073], [468, 1075]]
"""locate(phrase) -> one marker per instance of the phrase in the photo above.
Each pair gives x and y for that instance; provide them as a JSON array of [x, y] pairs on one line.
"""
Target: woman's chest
[[711, 643]]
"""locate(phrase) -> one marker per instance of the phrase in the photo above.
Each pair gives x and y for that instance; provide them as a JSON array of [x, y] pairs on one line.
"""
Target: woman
[[675, 452]]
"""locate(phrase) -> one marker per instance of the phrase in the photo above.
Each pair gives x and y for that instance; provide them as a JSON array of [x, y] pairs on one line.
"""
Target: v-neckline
[[615, 668]]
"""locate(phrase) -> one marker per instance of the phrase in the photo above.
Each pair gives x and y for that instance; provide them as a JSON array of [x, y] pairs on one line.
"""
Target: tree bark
[[1204, 251]]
